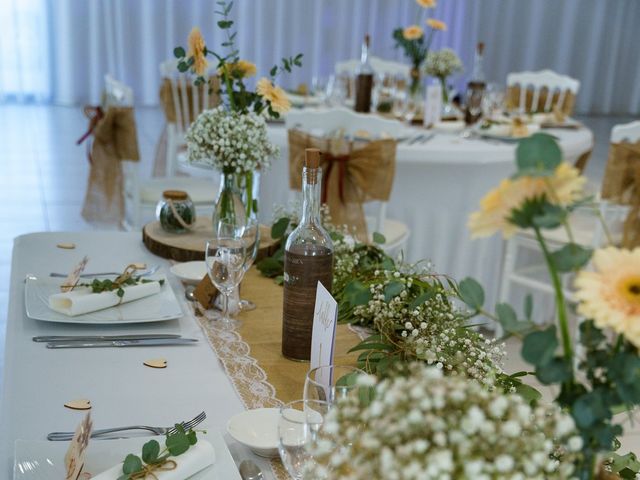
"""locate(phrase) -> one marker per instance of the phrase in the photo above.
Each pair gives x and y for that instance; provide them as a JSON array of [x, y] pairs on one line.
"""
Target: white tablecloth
[[39, 381], [437, 185]]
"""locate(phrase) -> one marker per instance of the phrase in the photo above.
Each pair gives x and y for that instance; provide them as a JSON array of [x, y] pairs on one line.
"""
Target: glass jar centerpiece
[[232, 137], [441, 65], [176, 211], [415, 43]]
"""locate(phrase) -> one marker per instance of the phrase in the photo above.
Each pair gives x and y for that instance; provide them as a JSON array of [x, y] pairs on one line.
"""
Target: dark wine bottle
[[364, 80], [475, 88], [308, 259]]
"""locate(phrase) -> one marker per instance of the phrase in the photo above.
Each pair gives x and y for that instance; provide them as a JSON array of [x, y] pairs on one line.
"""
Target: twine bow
[[353, 174], [148, 471], [94, 114]]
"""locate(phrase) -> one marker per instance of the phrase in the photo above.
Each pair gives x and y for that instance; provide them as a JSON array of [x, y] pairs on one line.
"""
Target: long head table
[[39, 381]]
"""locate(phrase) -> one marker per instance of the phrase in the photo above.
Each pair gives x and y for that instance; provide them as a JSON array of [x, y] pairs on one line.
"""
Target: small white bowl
[[449, 126], [257, 429], [191, 273]]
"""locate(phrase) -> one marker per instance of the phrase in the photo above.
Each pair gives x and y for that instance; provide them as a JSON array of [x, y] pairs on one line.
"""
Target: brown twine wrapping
[[351, 177], [114, 140], [513, 100], [148, 470], [621, 185]]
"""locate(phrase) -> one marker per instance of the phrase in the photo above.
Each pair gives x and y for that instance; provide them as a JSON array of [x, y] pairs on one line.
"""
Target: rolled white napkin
[[82, 300], [197, 458]]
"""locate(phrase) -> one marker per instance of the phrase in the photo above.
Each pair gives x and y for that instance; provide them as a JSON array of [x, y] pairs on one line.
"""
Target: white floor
[[43, 176]]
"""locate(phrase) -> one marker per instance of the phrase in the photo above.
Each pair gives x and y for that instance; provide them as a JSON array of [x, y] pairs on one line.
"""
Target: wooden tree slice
[[186, 247]]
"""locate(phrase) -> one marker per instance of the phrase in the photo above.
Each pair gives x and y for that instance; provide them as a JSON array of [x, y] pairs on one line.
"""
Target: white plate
[[43, 460], [156, 308], [449, 126], [191, 273], [502, 132], [257, 429]]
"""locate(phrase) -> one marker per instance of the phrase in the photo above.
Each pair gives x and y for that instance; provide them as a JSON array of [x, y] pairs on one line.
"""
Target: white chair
[[141, 197], [380, 67], [536, 82], [586, 227], [182, 89], [322, 122]]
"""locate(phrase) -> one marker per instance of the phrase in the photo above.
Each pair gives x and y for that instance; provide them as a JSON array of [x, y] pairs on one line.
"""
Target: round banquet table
[[438, 184]]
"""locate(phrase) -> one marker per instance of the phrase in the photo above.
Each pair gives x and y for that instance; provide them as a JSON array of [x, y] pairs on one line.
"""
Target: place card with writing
[[72, 279], [325, 319], [74, 458]]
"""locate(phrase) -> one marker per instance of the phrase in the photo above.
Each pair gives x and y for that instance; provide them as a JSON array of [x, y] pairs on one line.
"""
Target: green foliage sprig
[[108, 285], [176, 443]]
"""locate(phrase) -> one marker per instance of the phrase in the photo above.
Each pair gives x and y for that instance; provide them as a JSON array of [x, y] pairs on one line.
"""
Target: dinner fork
[[58, 436], [139, 273]]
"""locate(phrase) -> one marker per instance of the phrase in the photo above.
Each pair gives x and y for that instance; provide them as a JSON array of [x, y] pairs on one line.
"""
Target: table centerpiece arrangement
[[415, 43], [442, 64], [232, 137]]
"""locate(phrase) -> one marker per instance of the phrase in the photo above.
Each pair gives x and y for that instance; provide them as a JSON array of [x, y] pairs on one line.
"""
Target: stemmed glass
[[298, 427], [225, 256], [330, 383], [251, 239]]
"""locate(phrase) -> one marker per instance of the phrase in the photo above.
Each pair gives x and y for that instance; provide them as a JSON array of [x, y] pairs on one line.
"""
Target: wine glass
[[251, 239], [330, 383], [298, 427], [225, 256]]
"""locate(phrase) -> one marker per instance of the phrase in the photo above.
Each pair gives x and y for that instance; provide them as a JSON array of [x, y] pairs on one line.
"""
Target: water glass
[[251, 239], [330, 383], [298, 427], [225, 256]]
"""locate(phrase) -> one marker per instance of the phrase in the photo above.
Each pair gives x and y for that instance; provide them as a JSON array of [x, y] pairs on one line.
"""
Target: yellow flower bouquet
[[605, 377]]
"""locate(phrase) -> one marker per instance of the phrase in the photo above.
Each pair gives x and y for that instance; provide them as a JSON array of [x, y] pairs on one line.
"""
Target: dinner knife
[[91, 338], [150, 342]]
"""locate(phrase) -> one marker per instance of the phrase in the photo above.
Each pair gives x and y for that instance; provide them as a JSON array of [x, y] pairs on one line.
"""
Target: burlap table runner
[[352, 175], [513, 100], [114, 140], [621, 185]]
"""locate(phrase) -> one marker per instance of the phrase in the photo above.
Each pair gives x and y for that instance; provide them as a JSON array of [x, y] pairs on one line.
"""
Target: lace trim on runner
[[248, 379]]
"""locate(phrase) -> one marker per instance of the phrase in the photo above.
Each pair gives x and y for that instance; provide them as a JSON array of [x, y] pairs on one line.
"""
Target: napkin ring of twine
[[148, 470]]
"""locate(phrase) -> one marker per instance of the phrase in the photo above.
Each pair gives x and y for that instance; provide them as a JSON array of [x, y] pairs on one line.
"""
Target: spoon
[[250, 471]]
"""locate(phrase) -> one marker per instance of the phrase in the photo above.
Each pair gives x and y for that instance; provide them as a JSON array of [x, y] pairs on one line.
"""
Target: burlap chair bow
[[114, 140], [352, 175], [621, 185], [513, 100]]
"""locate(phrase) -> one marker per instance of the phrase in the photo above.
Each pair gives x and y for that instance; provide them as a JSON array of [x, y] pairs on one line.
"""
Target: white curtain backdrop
[[75, 42]]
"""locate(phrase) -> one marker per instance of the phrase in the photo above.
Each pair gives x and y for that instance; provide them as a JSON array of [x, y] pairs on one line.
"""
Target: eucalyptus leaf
[[379, 238], [392, 289], [279, 228], [421, 299], [177, 443], [555, 371], [538, 348], [179, 52], [132, 464], [471, 293], [538, 153], [571, 257]]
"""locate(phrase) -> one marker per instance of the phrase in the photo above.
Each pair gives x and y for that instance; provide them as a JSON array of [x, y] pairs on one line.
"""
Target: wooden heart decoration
[[66, 246], [80, 404], [156, 363]]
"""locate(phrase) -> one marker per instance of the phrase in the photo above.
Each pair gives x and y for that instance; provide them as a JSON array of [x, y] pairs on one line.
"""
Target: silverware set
[[101, 341], [138, 273], [195, 421], [418, 139]]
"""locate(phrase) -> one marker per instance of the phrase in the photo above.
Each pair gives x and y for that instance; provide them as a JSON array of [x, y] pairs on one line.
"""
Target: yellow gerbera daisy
[[611, 294], [563, 188], [426, 3], [196, 50], [437, 24], [275, 95], [412, 32]]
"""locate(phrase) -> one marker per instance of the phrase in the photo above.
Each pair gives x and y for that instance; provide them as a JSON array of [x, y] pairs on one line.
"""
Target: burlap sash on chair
[[351, 176], [114, 140], [621, 185], [513, 100]]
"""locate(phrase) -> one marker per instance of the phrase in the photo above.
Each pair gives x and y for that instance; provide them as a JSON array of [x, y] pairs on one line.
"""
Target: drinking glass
[[330, 383], [225, 256], [251, 239], [336, 93], [298, 427]]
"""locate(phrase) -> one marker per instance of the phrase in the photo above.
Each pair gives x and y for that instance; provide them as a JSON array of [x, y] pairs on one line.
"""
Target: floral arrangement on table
[[233, 137], [423, 424], [605, 379], [443, 64], [416, 43]]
